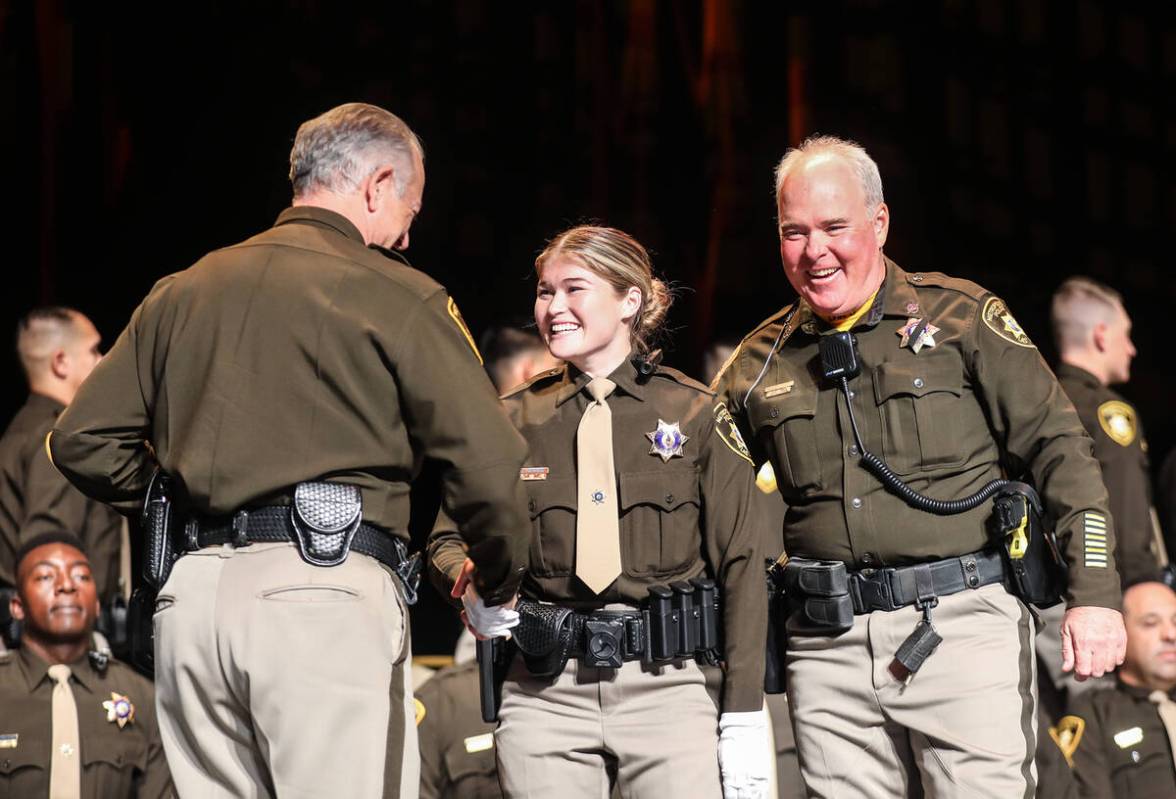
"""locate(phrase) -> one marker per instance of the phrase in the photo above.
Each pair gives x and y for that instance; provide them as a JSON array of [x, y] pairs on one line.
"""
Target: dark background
[[1020, 141]]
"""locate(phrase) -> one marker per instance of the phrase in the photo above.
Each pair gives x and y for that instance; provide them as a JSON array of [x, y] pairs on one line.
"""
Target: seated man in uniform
[[74, 722], [1122, 740]]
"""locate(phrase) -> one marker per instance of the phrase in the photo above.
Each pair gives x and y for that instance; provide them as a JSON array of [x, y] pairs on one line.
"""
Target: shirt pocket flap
[[916, 380], [119, 750], [462, 764], [666, 490], [554, 492], [800, 401], [28, 753]]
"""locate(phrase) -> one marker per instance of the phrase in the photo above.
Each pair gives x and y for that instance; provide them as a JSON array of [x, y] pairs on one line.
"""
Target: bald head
[[1149, 612], [57, 348]]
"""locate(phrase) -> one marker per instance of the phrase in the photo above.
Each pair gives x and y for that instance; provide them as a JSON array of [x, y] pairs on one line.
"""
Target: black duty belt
[[272, 525], [894, 588]]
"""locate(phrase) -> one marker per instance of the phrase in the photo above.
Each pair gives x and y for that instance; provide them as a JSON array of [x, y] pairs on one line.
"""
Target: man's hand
[[482, 621], [1093, 641]]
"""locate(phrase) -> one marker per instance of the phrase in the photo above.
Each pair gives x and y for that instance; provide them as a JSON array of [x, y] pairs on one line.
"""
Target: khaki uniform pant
[[275, 678], [655, 729], [965, 725]]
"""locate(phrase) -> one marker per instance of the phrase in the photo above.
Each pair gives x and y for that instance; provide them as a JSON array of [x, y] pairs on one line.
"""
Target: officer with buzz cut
[[1093, 334]]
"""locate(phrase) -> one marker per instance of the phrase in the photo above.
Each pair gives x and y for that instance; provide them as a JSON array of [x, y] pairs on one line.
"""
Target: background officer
[[1122, 740], [950, 389], [302, 354], [57, 348], [1093, 334], [74, 723]]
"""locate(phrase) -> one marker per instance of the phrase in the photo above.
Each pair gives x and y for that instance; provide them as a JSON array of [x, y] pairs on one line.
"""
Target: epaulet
[[940, 280], [771, 320], [670, 373], [537, 380]]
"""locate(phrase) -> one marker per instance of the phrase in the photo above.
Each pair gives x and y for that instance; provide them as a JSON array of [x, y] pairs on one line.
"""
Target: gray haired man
[[305, 361]]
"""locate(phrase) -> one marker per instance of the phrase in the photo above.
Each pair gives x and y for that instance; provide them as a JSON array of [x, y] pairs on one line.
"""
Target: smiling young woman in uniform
[[636, 478]]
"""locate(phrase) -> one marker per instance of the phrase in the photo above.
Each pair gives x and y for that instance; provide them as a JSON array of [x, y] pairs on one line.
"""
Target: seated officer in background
[[57, 348], [919, 676], [1122, 740], [73, 723], [1093, 335]]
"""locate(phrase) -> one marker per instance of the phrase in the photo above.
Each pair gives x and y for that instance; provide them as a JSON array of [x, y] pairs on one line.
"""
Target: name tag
[[1129, 737], [533, 473], [9, 741], [778, 389], [479, 743]]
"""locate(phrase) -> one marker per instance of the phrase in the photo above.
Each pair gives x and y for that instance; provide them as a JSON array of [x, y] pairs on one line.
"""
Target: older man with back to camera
[[880, 397], [288, 388]]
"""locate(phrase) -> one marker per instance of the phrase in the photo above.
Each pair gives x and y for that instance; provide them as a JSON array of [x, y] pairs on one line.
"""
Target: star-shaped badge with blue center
[[119, 709], [667, 440]]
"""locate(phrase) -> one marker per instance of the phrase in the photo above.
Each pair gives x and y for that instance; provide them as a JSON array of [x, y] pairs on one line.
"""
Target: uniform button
[[852, 393], [856, 502], [775, 412], [853, 450], [867, 559], [669, 499], [918, 382]]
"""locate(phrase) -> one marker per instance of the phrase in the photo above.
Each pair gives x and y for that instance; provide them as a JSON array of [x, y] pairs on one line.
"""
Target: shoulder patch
[[1066, 734], [1117, 419], [729, 432], [455, 315], [420, 710], [999, 320]]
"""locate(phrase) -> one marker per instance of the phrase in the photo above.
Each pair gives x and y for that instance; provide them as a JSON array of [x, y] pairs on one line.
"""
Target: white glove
[[744, 754], [488, 622]]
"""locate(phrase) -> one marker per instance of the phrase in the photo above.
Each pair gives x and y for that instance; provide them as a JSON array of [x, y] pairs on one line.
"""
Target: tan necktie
[[598, 533], [65, 772], [124, 560], [1167, 709]]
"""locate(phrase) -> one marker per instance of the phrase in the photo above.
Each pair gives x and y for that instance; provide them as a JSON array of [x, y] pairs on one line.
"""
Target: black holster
[[1037, 571], [817, 594], [776, 654], [494, 658]]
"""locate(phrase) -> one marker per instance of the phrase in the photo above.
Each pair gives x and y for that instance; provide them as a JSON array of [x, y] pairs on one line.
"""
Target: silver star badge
[[667, 440]]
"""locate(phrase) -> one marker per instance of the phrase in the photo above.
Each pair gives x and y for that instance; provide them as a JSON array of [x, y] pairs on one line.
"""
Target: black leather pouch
[[544, 636], [325, 517]]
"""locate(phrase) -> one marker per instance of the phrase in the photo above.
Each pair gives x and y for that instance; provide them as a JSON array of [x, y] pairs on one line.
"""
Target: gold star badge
[[119, 709], [916, 334]]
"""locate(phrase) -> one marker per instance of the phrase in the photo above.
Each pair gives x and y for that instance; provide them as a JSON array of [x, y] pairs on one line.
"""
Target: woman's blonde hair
[[623, 263]]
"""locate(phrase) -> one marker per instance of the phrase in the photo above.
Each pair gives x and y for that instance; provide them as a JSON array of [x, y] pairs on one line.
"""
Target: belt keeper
[[971, 571], [192, 535], [241, 528], [925, 596]]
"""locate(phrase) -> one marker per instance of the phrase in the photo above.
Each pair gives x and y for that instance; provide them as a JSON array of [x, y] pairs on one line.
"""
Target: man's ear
[[16, 608], [378, 186], [881, 224], [59, 363], [1098, 336]]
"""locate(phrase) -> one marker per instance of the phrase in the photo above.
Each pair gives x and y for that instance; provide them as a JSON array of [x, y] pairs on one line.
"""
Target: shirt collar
[[1078, 373], [625, 377], [1137, 691], [311, 214], [36, 670], [40, 401], [895, 297]]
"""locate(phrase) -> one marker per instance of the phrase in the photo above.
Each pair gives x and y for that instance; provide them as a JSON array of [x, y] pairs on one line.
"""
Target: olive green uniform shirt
[[692, 515], [457, 747], [1122, 747], [35, 499], [302, 354], [124, 762], [979, 404], [1121, 451]]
